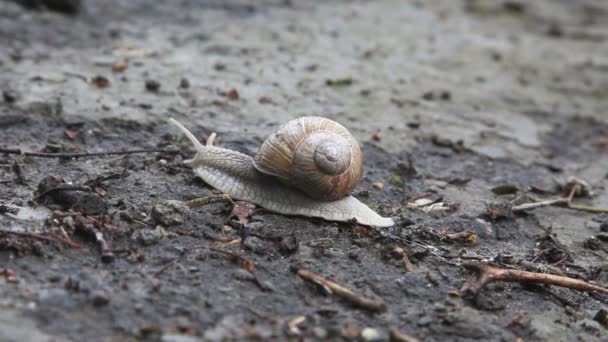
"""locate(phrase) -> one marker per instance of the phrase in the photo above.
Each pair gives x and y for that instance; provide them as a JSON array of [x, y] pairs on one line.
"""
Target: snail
[[307, 167]]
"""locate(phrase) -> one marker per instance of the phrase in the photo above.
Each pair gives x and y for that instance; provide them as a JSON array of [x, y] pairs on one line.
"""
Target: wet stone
[[602, 317], [147, 236], [370, 335], [100, 298], [256, 245], [171, 212], [602, 237], [319, 332], [152, 85], [424, 321], [9, 96]]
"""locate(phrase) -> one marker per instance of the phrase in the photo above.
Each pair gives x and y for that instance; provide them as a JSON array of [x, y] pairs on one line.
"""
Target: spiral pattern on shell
[[314, 154]]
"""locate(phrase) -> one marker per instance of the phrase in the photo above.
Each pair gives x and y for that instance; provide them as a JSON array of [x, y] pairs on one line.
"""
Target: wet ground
[[448, 98]]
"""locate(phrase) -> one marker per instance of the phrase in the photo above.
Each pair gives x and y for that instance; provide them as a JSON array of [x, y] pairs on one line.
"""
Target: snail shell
[[316, 155], [236, 174]]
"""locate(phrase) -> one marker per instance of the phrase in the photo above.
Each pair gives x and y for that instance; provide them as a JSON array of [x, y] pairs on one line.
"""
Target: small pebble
[[100, 298], [152, 85], [232, 94], [601, 317], [184, 83], [171, 212], [101, 81], [602, 237], [9, 96], [147, 237], [378, 185], [370, 334]]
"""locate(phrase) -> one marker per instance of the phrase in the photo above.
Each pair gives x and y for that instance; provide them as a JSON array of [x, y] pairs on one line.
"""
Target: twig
[[538, 204], [104, 248], [66, 242], [417, 197], [167, 265], [106, 252], [343, 292], [19, 172], [84, 154], [484, 274], [566, 201], [587, 208], [200, 201], [247, 265], [398, 336]]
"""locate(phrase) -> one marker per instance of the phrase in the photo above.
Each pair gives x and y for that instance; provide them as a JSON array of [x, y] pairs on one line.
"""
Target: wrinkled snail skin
[[235, 174]]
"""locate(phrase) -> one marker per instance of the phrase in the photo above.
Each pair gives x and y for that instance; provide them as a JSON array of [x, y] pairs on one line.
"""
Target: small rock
[[424, 321], [170, 212], [378, 185], [100, 298], [289, 244], [370, 334], [319, 332], [590, 326], [593, 243], [232, 94], [256, 245], [152, 85], [602, 237], [9, 96], [604, 227], [602, 317], [445, 95], [429, 96], [184, 83], [178, 338], [101, 81], [147, 236]]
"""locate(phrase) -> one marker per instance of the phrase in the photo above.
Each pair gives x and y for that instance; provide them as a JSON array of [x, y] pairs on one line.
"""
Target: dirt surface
[[447, 98]]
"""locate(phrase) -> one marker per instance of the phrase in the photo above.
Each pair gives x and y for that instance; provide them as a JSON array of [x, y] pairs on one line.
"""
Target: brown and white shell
[[314, 154]]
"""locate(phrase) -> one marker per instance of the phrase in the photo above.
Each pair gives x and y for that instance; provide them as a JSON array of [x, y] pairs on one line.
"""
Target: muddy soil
[[449, 100]]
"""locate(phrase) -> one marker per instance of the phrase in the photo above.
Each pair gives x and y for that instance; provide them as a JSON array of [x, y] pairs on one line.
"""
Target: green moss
[[396, 181], [339, 82]]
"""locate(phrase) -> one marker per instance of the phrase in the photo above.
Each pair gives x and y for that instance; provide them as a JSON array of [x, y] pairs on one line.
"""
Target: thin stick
[[566, 201], [67, 242], [587, 208], [104, 248], [343, 292], [484, 274], [200, 201], [527, 206], [84, 154], [167, 265]]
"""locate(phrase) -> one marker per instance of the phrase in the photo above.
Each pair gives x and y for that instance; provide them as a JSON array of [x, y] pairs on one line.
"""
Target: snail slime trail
[[307, 167]]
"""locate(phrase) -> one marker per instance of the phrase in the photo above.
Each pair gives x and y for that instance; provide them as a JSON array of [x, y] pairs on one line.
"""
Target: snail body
[[274, 186]]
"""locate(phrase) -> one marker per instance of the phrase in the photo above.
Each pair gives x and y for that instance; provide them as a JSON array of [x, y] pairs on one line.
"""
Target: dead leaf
[[72, 135]]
